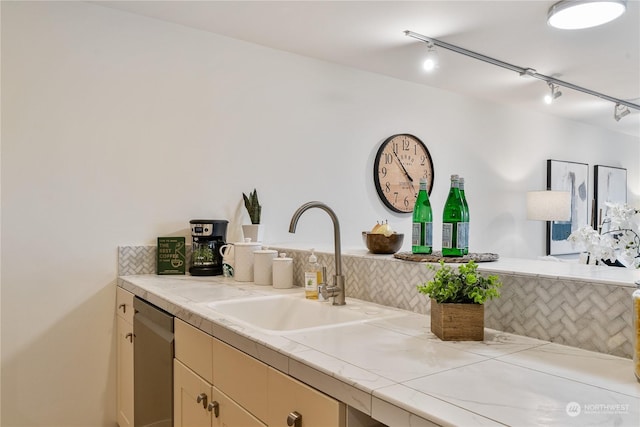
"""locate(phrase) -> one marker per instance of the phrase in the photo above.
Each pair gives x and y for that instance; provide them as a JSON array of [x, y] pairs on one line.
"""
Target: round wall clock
[[401, 161]]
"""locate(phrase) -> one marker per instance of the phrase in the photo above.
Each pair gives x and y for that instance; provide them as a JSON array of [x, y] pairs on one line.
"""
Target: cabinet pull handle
[[294, 419], [123, 307], [202, 397], [215, 407], [129, 336]]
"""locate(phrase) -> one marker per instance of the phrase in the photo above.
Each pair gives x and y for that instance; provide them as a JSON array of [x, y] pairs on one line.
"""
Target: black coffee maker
[[208, 236]]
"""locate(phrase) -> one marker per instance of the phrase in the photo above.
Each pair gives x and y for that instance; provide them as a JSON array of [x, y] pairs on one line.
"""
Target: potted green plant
[[253, 206], [457, 300], [254, 231]]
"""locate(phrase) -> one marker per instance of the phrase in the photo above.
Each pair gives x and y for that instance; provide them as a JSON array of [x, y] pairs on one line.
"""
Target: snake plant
[[253, 206]]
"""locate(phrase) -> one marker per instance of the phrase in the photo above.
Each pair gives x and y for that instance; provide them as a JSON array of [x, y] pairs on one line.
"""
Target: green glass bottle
[[422, 230], [453, 236], [466, 214]]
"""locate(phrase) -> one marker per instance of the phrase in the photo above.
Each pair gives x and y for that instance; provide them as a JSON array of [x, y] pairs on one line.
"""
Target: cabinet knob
[[202, 398], [123, 307], [215, 407], [294, 419], [129, 336]]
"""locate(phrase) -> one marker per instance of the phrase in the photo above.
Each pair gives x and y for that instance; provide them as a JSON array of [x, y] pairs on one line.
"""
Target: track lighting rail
[[520, 70]]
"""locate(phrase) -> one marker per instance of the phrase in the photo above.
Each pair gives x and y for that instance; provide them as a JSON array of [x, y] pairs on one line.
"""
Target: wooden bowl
[[381, 244]]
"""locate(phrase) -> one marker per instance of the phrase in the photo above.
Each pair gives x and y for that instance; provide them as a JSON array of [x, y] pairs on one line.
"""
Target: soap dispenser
[[312, 277]]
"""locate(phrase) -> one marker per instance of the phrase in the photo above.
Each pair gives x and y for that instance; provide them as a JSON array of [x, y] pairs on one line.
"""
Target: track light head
[[431, 59], [620, 111], [621, 106], [555, 93]]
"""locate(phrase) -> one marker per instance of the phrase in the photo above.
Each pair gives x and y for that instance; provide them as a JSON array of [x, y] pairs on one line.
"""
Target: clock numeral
[[400, 161]]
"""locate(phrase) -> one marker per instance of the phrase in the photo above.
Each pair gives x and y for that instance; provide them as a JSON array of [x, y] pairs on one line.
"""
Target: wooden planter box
[[457, 322]]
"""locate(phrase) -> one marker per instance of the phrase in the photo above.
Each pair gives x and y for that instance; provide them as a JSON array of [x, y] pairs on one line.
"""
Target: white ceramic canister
[[282, 272], [244, 259], [263, 266]]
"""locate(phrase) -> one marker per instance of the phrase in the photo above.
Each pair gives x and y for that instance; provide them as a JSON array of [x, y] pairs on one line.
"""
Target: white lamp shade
[[549, 205]]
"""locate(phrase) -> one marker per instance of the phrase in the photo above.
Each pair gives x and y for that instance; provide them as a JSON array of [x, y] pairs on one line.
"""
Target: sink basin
[[286, 313], [206, 291]]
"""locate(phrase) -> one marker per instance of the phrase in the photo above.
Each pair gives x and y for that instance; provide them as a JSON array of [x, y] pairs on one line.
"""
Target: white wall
[[118, 129]]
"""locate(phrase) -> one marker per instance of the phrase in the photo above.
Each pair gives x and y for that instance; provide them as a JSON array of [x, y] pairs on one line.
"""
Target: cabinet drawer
[[241, 377], [124, 304], [193, 348], [287, 395]]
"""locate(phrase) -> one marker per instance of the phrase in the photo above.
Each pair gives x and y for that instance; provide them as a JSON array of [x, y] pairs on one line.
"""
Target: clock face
[[400, 163]]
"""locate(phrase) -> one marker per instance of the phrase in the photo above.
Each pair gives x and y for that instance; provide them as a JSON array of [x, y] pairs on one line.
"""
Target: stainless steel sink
[[287, 314]]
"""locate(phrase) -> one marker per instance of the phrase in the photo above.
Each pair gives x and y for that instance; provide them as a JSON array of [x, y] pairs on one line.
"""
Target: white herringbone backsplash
[[592, 316]]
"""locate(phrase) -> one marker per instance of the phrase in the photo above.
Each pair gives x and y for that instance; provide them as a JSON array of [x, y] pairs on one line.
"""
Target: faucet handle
[[336, 291], [322, 290]]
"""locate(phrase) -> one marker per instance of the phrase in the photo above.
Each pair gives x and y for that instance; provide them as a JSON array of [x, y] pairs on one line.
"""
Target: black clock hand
[[402, 166], [405, 171]]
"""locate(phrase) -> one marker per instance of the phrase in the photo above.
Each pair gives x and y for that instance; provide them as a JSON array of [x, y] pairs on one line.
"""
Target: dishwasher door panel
[[152, 365]]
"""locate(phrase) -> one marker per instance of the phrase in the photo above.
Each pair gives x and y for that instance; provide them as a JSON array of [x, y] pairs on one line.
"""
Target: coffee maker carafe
[[208, 236]]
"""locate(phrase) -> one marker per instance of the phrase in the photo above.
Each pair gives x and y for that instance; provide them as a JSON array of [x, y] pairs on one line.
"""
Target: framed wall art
[[572, 177], [609, 185]]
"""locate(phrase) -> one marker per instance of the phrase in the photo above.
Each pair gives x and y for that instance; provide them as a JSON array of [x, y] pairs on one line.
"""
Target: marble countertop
[[397, 371], [546, 267], [557, 269]]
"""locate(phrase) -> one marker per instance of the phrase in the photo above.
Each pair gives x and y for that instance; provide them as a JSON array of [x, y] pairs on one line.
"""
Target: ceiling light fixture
[[523, 71], [431, 59], [579, 14], [620, 111], [555, 93]]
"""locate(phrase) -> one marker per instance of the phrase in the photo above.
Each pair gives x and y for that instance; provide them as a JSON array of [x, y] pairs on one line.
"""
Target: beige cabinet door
[[124, 368], [191, 398], [288, 395], [241, 377], [230, 414]]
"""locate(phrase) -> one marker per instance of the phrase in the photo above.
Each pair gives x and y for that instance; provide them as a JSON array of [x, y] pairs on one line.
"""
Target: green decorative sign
[[171, 255]]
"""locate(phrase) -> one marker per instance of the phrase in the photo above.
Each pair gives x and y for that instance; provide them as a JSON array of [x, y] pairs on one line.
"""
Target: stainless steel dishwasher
[[152, 366]]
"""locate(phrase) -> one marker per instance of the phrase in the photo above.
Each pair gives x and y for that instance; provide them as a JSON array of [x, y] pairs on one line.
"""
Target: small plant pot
[[253, 231], [457, 322]]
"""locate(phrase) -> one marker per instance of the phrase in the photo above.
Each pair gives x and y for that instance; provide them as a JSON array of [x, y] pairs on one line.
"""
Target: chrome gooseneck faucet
[[337, 290]]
